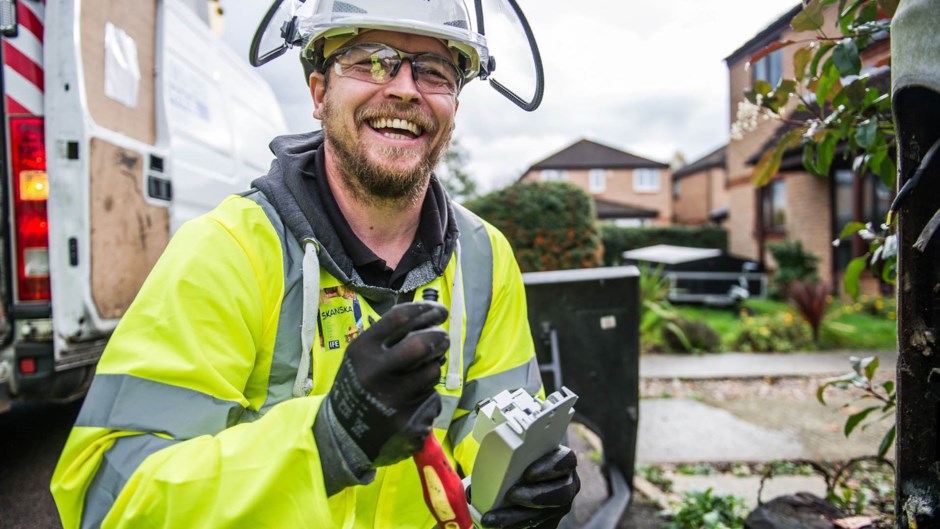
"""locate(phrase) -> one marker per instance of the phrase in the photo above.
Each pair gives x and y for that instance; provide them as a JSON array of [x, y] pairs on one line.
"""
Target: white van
[[122, 119]]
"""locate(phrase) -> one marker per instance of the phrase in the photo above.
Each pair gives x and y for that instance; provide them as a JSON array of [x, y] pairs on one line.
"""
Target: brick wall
[[691, 207], [743, 210], [741, 238], [699, 194], [809, 215]]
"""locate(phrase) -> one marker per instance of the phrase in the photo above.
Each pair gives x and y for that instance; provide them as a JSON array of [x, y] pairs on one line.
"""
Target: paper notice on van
[[121, 68]]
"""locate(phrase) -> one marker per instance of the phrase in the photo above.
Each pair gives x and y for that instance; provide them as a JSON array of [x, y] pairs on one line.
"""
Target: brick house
[[795, 205], [627, 189], [700, 190]]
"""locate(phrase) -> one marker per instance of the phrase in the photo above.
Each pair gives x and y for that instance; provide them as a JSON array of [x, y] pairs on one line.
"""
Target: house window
[[552, 175], [774, 206], [646, 180], [769, 69], [597, 180], [675, 189], [868, 204]]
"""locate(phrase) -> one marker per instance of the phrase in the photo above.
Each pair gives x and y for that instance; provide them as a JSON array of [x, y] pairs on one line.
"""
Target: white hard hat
[[448, 20]]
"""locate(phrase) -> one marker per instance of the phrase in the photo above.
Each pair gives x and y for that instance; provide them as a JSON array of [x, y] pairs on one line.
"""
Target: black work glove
[[542, 496], [383, 395]]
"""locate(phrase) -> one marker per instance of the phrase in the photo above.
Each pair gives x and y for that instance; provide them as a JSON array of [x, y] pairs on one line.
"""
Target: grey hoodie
[[304, 214]]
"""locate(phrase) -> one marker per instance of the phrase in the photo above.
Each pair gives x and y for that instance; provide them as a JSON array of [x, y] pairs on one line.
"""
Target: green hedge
[[550, 225], [617, 240]]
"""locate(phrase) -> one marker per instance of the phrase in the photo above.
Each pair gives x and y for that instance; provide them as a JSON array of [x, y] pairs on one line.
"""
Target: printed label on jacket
[[340, 317]]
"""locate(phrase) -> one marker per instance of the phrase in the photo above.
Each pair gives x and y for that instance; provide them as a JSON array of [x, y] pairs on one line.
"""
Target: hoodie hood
[[305, 216]]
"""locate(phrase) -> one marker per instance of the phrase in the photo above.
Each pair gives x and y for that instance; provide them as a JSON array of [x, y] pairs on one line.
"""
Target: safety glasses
[[379, 63]]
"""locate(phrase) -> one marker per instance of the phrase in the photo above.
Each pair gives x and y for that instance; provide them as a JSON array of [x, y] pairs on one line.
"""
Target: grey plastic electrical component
[[513, 429]]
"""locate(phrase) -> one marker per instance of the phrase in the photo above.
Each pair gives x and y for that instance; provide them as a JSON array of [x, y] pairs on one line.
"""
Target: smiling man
[[275, 369]]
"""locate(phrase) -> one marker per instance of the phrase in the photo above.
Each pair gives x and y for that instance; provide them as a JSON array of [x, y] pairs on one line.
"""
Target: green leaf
[[820, 53], [852, 273], [867, 15], [680, 334], [847, 16], [828, 83], [851, 229], [889, 271], [888, 172], [825, 152], [801, 60], [887, 441], [809, 157], [810, 19], [877, 156], [839, 381], [845, 57], [889, 387], [769, 163], [855, 419], [866, 133], [871, 367], [762, 87], [855, 92], [781, 95]]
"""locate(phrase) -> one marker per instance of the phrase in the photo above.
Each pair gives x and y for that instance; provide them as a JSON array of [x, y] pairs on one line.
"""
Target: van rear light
[[30, 194], [27, 366]]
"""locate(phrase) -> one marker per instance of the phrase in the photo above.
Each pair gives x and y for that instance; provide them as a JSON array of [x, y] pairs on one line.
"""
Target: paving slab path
[[749, 407]]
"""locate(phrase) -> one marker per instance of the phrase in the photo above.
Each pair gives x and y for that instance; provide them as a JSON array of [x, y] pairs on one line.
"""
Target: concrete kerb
[[756, 365]]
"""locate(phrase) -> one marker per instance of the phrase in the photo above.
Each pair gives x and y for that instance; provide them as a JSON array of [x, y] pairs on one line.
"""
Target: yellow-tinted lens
[[379, 63]]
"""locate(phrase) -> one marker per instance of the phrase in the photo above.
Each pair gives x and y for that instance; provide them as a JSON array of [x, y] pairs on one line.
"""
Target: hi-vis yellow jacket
[[202, 408]]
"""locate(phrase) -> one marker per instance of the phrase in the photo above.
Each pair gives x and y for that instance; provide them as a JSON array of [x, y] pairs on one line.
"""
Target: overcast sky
[[645, 77]]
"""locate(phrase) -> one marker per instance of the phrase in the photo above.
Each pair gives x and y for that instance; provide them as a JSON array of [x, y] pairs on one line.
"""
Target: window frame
[[595, 176], [642, 173], [553, 175], [769, 69], [768, 212]]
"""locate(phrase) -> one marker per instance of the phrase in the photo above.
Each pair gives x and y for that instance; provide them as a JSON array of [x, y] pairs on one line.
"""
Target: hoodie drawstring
[[303, 384], [455, 364]]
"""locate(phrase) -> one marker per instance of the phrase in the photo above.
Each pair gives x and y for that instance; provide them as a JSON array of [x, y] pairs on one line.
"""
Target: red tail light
[[30, 191]]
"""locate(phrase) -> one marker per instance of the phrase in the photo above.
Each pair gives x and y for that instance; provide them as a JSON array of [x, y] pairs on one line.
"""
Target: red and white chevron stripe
[[23, 77]]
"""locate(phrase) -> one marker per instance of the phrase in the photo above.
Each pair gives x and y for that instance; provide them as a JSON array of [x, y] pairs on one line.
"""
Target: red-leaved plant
[[811, 301]]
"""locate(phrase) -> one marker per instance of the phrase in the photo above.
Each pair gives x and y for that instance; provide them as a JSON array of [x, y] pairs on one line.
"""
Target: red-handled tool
[[443, 489]]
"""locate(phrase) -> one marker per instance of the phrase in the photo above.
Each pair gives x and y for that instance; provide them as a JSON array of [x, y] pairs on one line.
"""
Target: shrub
[[550, 225], [706, 510], [772, 333], [656, 312], [699, 337], [618, 240], [794, 263], [811, 301]]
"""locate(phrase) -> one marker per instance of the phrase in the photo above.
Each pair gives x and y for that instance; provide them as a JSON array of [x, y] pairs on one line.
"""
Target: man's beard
[[370, 182]]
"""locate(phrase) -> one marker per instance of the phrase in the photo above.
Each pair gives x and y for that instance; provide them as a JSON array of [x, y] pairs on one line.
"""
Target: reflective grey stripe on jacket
[[287, 346], [117, 465], [477, 263], [134, 404]]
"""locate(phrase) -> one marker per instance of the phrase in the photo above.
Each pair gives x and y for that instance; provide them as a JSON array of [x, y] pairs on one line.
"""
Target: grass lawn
[[848, 326]]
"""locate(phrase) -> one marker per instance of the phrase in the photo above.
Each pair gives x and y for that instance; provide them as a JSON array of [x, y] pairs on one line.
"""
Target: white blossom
[[748, 116]]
